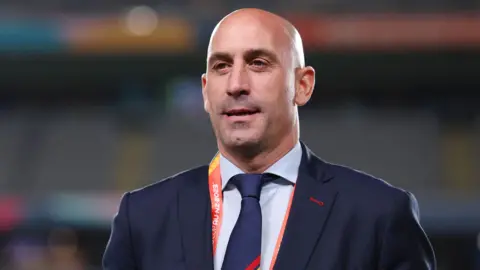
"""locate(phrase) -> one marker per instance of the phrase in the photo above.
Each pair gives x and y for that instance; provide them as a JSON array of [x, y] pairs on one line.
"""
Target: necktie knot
[[250, 185]]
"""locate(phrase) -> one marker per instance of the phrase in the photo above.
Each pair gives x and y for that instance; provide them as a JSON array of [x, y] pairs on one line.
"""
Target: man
[[265, 201]]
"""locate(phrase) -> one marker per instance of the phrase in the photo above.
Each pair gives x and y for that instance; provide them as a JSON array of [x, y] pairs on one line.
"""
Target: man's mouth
[[241, 112]]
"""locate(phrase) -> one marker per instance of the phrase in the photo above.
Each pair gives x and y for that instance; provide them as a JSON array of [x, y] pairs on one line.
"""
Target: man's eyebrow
[[219, 56], [248, 55], [252, 53]]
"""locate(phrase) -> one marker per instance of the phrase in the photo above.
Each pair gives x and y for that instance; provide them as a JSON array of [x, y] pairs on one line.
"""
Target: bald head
[[255, 79], [283, 33]]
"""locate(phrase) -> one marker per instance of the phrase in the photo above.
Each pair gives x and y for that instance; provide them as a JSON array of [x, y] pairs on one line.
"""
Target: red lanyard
[[216, 198]]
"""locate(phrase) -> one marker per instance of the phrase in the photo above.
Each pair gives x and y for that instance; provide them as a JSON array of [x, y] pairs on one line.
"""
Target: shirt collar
[[286, 167]]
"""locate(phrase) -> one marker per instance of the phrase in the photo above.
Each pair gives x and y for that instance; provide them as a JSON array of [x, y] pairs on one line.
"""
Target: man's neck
[[260, 161]]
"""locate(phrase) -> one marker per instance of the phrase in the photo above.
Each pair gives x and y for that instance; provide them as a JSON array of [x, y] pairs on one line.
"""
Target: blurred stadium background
[[100, 97]]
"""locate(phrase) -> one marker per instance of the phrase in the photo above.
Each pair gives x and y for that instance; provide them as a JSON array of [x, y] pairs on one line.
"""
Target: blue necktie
[[245, 243]]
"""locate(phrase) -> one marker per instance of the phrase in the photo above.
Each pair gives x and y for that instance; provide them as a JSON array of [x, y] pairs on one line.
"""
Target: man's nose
[[238, 82]]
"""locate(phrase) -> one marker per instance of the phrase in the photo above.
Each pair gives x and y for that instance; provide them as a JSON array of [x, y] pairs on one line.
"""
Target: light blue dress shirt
[[274, 200]]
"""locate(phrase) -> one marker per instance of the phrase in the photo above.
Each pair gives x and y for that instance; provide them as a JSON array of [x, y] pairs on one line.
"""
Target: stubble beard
[[244, 147]]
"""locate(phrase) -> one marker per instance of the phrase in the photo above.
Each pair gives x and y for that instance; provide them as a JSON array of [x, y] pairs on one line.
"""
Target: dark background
[[98, 98]]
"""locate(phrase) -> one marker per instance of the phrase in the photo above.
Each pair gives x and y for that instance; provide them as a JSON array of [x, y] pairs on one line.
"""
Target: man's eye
[[258, 63], [220, 66]]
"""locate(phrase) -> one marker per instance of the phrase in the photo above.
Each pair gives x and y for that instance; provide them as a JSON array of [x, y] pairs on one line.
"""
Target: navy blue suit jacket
[[340, 219]]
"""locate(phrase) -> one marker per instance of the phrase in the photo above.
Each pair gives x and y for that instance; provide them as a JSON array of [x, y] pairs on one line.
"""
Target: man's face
[[248, 88]]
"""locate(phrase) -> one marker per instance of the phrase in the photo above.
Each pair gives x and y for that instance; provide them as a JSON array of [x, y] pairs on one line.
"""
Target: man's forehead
[[250, 29], [239, 37]]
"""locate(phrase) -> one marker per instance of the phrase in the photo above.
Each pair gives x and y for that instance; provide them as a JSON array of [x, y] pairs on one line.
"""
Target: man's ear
[[206, 104], [305, 83]]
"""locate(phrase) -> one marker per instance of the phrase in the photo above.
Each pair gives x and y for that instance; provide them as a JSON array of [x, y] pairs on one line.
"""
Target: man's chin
[[240, 142], [247, 145]]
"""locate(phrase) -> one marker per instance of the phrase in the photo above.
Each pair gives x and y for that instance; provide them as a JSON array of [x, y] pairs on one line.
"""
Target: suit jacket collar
[[314, 197]]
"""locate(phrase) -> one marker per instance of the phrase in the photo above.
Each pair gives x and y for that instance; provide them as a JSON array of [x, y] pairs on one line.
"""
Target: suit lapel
[[313, 199], [195, 223]]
